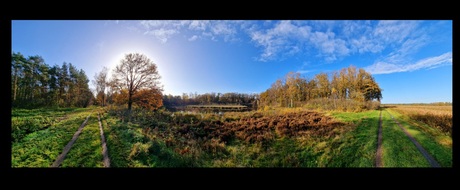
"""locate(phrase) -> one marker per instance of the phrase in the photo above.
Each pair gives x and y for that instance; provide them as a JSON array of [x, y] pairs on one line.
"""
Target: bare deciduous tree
[[136, 72], [100, 81]]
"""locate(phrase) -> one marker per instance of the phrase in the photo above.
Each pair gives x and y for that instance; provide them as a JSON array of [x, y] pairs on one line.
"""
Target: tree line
[[35, 84], [135, 81], [248, 99], [346, 84]]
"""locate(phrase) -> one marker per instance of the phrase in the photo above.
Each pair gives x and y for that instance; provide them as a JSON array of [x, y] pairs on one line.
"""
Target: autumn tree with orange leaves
[[346, 84], [149, 99], [137, 79]]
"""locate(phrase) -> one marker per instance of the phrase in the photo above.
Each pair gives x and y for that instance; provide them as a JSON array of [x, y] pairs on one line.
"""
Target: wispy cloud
[[394, 31], [199, 25], [299, 36], [162, 34], [393, 42], [162, 30], [427, 63], [284, 36], [304, 71], [193, 38], [197, 29], [329, 46], [334, 40]]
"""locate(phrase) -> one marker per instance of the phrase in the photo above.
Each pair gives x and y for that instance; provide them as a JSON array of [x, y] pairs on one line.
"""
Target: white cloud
[[222, 28], [162, 34], [165, 29], [394, 31], [283, 37], [225, 29], [177, 24], [329, 46], [193, 38], [334, 40], [428, 63], [384, 68], [431, 62], [350, 28], [199, 25], [152, 23], [363, 45], [406, 49], [395, 42], [304, 71]]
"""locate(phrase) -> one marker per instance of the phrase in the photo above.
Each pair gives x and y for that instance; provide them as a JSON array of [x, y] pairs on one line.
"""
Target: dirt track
[[428, 157], [61, 157], [106, 159], [104, 145], [378, 159]]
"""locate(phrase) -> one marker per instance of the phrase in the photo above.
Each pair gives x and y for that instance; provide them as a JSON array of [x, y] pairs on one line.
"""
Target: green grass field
[[87, 150], [41, 148], [398, 150], [24, 121], [356, 148], [431, 142], [157, 140]]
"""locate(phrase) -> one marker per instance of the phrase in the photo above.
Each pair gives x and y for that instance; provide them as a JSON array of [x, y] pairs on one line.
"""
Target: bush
[[20, 127]]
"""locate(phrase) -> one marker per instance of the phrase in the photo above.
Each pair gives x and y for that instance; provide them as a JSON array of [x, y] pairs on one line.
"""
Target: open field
[[436, 116], [423, 109], [40, 148], [295, 137]]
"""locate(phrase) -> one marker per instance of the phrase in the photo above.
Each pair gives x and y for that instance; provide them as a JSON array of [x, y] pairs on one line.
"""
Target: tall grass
[[439, 117]]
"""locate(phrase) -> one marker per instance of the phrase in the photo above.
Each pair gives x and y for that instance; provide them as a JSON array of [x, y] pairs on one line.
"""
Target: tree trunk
[[15, 83], [130, 102]]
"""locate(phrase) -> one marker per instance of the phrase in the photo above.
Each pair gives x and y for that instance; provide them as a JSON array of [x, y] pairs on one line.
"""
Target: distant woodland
[[348, 84], [36, 84]]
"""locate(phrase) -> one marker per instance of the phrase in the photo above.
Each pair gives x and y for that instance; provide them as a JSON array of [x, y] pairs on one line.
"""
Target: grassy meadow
[[287, 137]]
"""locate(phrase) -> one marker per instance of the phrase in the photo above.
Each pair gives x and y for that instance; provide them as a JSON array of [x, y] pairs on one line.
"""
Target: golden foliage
[[120, 98], [149, 99]]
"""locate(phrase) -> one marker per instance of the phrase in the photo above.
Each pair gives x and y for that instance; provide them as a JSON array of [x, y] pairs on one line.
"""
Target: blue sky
[[410, 59]]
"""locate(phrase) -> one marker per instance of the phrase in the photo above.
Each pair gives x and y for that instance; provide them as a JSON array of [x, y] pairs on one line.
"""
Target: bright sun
[[120, 54]]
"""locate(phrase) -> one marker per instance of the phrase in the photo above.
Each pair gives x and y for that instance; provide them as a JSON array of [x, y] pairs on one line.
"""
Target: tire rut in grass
[[378, 158], [104, 145], [425, 154], [61, 157]]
